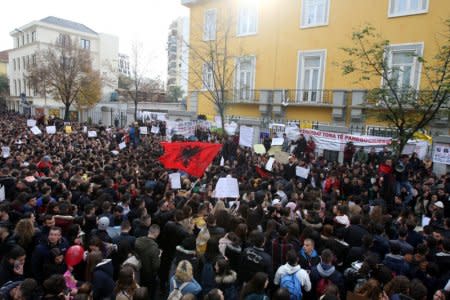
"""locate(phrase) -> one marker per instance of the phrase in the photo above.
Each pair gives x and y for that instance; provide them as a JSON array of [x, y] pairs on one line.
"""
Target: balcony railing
[[308, 96], [243, 95]]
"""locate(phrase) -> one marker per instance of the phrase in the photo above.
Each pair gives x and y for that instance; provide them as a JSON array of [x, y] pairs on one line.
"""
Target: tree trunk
[[67, 112], [135, 110]]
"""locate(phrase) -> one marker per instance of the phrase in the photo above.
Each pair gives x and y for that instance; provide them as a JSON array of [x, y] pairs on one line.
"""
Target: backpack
[[293, 285], [176, 294], [322, 285]]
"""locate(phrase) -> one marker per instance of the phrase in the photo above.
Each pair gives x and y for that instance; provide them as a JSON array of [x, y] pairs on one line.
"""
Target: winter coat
[[353, 235], [396, 264], [254, 260], [227, 284], [330, 272], [41, 256], [184, 254], [7, 273], [301, 274], [307, 262], [233, 254], [102, 280], [192, 287], [147, 251]]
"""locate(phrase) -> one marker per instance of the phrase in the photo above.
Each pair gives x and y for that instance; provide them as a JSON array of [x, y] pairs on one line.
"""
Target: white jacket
[[302, 275]]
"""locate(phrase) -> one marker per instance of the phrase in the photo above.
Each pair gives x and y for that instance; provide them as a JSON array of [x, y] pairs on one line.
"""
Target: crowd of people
[[374, 227]]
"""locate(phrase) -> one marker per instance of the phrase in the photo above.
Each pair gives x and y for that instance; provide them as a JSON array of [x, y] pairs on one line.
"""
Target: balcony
[[307, 97], [243, 96]]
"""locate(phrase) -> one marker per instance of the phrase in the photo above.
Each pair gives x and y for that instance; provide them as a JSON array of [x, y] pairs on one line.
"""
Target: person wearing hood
[[11, 267], [395, 261], [100, 274], [308, 255], [292, 267], [325, 270], [225, 279]]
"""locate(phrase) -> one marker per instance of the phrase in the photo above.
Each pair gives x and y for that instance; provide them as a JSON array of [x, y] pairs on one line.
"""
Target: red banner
[[191, 157]]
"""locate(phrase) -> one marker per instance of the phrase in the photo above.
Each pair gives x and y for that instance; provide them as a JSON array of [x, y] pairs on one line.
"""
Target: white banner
[[31, 123], [227, 188], [246, 136], [277, 142], [92, 133], [441, 153], [336, 141], [175, 181], [50, 129], [184, 128]]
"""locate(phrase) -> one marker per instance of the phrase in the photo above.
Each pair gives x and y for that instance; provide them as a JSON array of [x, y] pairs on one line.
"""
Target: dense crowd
[[375, 227]]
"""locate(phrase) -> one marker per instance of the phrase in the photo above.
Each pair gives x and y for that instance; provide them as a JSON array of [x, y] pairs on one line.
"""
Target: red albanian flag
[[191, 157]]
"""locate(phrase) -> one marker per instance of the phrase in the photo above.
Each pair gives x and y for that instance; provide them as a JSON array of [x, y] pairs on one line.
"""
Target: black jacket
[[102, 280], [147, 251], [353, 235], [254, 260]]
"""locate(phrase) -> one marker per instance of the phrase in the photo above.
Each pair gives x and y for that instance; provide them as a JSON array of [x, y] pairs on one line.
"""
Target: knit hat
[[103, 223]]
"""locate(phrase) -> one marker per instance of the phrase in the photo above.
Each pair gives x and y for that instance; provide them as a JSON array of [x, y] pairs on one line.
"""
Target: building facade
[[178, 53], [4, 62], [42, 34], [124, 65], [285, 55]]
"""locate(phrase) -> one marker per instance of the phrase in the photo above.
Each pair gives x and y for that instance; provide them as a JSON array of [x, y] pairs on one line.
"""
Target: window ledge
[[246, 34], [408, 13], [313, 25]]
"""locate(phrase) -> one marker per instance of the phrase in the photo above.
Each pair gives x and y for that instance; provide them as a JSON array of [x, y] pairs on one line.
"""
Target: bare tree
[[398, 102], [137, 75], [212, 63], [67, 74]]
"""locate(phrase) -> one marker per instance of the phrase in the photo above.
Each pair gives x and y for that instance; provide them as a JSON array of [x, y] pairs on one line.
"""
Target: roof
[[68, 24], [4, 55]]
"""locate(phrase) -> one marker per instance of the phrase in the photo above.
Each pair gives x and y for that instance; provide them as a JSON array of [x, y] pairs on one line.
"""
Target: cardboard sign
[[269, 164], [246, 136], [277, 141], [155, 130], [92, 134], [31, 123], [259, 148], [68, 129], [227, 188], [222, 161], [122, 145], [6, 151], [301, 172], [35, 130], [143, 130], [50, 129], [175, 180]]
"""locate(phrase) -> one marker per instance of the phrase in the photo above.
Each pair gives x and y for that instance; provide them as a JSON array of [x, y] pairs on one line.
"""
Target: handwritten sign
[[6, 151], [175, 180], [122, 145], [2, 193], [92, 133], [35, 130], [227, 187], [31, 123], [301, 172], [50, 129], [269, 164], [277, 141], [155, 130], [246, 136], [143, 130], [259, 148]]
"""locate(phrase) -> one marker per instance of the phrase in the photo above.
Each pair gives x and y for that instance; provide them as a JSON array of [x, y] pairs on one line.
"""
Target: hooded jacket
[[147, 251], [227, 284], [301, 274], [254, 260], [308, 261], [396, 264], [330, 272], [102, 280]]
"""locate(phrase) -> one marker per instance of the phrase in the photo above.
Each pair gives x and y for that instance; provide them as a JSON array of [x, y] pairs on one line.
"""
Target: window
[[23, 39], [24, 86], [407, 7], [20, 87], [18, 63], [209, 25], [17, 42], [28, 38], [14, 63], [63, 39], [15, 88], [245, 78], [33, 58], [208, 76], [24, 66], [33, 36], [404, 67], [311, 66], [248, 20], [85, 44], [315, 13]]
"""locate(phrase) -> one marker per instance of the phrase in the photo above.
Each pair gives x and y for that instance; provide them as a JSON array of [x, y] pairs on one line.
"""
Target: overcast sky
[[146, 21]]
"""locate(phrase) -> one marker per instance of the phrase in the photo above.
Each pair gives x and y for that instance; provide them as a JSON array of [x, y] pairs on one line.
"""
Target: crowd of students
[[348, 231]]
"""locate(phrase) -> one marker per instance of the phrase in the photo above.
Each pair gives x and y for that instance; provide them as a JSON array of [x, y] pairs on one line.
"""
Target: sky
[[144, 21]]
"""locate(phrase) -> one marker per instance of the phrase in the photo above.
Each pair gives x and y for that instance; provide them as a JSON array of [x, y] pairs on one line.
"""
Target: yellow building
[[3, 62], [285, 53]]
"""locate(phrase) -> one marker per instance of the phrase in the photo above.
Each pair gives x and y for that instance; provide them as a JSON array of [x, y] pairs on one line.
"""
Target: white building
[[178, 54], [44, 33]]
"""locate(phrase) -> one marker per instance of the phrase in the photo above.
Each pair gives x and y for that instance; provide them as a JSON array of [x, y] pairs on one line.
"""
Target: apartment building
[[177, 51], [286, 53]]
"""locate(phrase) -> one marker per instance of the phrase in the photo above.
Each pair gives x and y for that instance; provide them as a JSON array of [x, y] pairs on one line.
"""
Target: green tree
[[4, 85], [175, 93], [396, 102], [64, 70]]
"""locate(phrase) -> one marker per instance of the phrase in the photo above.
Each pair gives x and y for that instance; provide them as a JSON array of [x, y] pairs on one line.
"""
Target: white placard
[[425, 221], [143, 130], [231, 128], [155, 130], [92, 133], [35, 130], [441, 153], [122, 145], [277, 141], [115, 152], [85, 129], [222, 161], [6, 151], [246, 136], [50, 129], [175, 180], [31, 123], [269, 164], [227, 188], [301, 172], [2, 193], [218, 121]]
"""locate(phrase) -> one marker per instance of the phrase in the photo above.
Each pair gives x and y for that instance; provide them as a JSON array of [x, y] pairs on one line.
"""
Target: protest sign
[[92, 133], [6, 151], [301, 172], [269, 164], [175, 180], [2, 193], [68, 129], [222, 161], [122, 145], [31, 123], [227, 187], [230, 128], [50, 129], [143, 130], [246, 136], [441, 153], [259, 148], [277, 141], [155, 130], [35, 130]]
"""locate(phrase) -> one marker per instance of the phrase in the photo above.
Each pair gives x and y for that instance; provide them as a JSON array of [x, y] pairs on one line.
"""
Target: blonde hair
[[220, 205], [183, 272]]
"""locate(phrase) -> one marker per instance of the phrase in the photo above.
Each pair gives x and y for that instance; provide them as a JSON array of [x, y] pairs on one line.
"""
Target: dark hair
[[125, 281], [16, 252], [140, 294], [223, 266], [213, 294], [281, 294], [54, 285], [255, 285], [327, 256], [291, 257], [256, 238]]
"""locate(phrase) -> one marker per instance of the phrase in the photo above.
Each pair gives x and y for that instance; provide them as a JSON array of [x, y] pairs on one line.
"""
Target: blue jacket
[[192, 287], [41, 256], [396, 264], [102, 280]]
